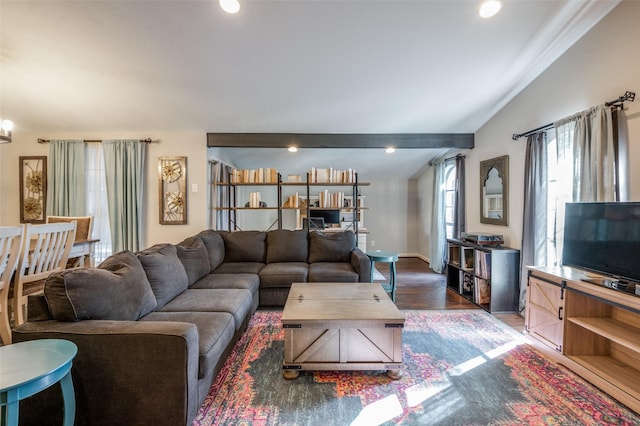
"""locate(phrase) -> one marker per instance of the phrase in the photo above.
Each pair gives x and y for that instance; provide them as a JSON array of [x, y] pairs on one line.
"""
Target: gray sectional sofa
[[154, 328]]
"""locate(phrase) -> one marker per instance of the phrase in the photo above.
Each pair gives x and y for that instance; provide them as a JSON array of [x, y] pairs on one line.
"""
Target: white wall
[[191, 145], [599, 67]]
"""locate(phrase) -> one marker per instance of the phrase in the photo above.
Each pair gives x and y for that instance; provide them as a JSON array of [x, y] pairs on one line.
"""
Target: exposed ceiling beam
[[341, 140]]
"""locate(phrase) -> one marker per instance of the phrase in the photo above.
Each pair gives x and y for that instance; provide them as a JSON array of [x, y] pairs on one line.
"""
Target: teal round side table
[[30, 367], [387, 257]]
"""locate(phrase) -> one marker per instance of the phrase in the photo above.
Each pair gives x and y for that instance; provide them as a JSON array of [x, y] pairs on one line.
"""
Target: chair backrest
[[10, 245], [84, 226], [10, 249], [48, 249]]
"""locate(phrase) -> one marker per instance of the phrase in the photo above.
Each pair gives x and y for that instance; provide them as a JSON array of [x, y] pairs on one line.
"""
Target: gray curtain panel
[[534, 228], [459, 218], [65, 178], [124, 162]]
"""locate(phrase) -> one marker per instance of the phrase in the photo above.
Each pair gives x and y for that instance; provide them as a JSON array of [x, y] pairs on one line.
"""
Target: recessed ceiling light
[[292, 149], [489, 8], [230, 6], [390, 150]]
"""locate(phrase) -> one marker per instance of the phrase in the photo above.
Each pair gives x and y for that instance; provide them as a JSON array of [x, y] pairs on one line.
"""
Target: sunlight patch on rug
[[461, 367]]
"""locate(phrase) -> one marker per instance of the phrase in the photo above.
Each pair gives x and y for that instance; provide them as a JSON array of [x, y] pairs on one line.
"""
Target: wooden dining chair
[[84, 225], [10, 249], [45, 250], [84, 230]]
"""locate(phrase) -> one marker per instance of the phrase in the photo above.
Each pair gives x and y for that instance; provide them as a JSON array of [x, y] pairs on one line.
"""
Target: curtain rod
[[628, 96], [147, 140], [432, 162]]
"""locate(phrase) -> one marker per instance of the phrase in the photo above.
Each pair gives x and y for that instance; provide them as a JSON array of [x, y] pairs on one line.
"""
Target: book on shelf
[[260, 175], [331, 175], [254, 200], [293, 201], [333, 200], [482, 293], [482, 263]]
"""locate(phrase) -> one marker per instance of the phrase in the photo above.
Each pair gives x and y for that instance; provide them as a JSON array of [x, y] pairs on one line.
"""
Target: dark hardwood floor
[[418, 287]]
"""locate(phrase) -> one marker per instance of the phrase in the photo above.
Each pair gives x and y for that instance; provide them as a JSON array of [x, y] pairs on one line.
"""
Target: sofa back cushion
[[215, 247], [116, 290], [244, 246], [287, 246], [165, 272], [194, 257], [331, 247]]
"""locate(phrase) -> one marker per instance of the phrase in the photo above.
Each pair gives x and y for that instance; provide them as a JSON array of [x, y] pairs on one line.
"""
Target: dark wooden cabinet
[[487, 276]]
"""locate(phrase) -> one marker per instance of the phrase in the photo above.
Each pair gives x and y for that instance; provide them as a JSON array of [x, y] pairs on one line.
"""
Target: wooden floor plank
[[418, 287]]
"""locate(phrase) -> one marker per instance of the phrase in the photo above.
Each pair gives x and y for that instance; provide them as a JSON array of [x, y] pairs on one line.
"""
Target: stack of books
[[330, 200], [331, 175], [261, 175]]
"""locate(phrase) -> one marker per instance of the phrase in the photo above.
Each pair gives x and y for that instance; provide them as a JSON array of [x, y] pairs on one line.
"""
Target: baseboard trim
[[418, 255]]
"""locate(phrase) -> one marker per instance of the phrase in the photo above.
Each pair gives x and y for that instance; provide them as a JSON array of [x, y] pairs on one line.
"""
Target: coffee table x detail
[[341, 326]]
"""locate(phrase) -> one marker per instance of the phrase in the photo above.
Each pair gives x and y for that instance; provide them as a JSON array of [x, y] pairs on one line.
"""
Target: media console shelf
[[591, 329], [486, 275]]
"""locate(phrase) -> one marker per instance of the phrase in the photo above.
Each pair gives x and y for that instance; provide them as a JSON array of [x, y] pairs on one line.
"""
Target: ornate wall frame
[[494, 191], [172, 184], [33, 189]]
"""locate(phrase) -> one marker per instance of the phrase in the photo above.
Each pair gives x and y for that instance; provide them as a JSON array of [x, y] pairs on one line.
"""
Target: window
[[96, 200], [450, 197]]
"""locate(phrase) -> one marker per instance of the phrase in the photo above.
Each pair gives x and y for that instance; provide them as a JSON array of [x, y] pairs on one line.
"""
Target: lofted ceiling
[[297, 66]]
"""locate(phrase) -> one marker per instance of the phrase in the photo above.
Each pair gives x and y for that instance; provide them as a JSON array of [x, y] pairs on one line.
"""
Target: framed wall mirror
[[494, 191]]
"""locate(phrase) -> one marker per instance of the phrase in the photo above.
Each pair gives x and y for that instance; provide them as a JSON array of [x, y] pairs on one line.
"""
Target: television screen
[[604, 238], [331, 217]]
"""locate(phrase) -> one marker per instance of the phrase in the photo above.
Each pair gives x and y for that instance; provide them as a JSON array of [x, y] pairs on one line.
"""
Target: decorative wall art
[[33, 189], [172, 184]]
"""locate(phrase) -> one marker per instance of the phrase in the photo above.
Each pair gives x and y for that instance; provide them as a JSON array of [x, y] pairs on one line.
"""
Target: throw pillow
[[194, 257], [331, 247], [287, 246], [165, 272], [244, 246], [116, 290], [215, 247]]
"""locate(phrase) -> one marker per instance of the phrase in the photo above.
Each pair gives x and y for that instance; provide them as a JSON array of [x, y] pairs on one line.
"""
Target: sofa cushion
[[239, 268], [164, 270], [287, 246], [331, 247], [244, 246], [116, 290], [215, 247], [332, 272], [283, 274], [234, 301], [215, 333], [194, 257], [249, 282]]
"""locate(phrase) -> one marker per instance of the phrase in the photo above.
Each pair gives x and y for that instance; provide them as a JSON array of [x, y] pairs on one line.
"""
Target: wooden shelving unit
[[598, 329], [355, 199]]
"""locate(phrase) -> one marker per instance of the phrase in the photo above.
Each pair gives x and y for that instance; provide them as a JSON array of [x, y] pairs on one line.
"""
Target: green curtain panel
[[438, 241], [124, 170], [65, 178]]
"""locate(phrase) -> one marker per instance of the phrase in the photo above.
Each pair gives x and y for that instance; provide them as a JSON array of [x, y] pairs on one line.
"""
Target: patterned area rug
[[462, 367]]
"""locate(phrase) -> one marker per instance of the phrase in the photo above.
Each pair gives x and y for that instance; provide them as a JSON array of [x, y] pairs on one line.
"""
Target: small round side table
[[387, 257], [30, 367]]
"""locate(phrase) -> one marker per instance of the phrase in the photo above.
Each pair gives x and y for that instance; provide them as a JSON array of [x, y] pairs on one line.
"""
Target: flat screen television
[[603, 238], [331, 217]]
